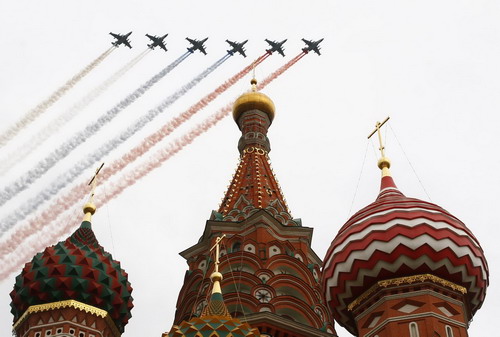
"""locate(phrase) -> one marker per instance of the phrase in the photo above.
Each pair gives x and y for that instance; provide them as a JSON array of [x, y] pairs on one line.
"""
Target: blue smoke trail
[[56, 124], [45, 164], [64, 179]]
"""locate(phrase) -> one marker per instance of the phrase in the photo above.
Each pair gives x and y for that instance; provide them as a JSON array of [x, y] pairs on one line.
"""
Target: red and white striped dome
[[396, 236]]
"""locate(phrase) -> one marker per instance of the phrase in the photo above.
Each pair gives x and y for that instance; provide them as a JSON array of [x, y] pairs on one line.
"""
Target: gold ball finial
[[384, 162], [216, 276], [89, 210]]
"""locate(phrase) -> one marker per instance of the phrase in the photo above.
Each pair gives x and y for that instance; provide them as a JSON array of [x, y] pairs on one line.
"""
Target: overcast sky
[[430, 65]]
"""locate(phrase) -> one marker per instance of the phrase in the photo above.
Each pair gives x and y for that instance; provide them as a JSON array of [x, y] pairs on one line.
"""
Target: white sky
[[431, 65]]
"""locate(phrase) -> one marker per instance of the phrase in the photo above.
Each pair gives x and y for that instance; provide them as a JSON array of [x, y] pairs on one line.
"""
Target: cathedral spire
[[254, 185]]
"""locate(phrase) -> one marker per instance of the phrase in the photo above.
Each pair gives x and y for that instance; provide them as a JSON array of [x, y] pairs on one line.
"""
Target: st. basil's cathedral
[[398, 267]]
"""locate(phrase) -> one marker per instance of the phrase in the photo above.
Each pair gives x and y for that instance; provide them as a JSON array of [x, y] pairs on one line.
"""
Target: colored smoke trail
[[45, 164], [109, 170], [6, 136], [57, 123], [66, 178], [13, 258]]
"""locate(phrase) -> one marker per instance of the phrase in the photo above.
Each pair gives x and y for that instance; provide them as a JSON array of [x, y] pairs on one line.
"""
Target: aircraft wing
[[150, 37], [202, 49], [190, 40], [281, 52], [127, 44], [116, 36], [162, 46], [243, 53], [231, 43]]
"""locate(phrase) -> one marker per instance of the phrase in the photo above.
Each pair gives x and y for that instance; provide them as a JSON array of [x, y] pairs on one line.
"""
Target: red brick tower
[[404, 267], [271, 274], [73, 288]]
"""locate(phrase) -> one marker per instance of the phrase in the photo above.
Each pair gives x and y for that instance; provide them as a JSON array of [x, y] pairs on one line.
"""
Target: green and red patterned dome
[[75, 269]]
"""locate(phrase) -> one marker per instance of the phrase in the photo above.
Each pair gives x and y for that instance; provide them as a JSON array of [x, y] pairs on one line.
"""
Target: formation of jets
[[236, 47]]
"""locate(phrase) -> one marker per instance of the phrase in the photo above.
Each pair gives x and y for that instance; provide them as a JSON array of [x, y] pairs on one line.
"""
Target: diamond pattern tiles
[[78, 269]]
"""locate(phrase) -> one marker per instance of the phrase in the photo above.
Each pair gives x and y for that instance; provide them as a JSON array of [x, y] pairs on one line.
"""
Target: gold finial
[[89, 208], [216, 277], [384, 163], [253, 82]]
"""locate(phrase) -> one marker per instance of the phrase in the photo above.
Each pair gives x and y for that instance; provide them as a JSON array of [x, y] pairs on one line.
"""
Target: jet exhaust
[[33, 114], [57, 123], [12, 259], [60, 153]]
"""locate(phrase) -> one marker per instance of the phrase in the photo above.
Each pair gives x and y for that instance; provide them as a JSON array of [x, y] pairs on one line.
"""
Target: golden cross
[[217, 251], [93, 181], [377, 130]]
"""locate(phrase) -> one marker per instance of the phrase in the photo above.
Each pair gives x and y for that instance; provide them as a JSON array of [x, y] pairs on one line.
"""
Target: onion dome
[[397, 236], [75, 269], [215, 319], [253, 100]]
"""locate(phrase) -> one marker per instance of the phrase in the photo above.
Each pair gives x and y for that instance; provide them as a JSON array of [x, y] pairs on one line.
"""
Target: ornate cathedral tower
[[271, 274], [74, 288], [404, 267]]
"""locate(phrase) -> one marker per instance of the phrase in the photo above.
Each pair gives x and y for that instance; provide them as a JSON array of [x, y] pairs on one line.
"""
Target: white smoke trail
[[11, 258], [64, 179], [34, 225], [45, 164], [57, 123], [6, 136]]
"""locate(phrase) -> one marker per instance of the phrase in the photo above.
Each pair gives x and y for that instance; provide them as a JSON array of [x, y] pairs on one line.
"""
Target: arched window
[[414, 330], [236, 247], [449, 331]]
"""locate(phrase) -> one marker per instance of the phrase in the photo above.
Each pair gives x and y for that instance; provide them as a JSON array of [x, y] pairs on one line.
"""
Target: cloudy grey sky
[[431, 65]]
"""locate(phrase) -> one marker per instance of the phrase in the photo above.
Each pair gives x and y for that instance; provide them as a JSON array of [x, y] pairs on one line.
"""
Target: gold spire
[[89, 208], [216, 306], [383, 163]]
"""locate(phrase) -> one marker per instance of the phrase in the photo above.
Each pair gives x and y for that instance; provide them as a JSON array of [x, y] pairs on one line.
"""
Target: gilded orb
[[253, 100]]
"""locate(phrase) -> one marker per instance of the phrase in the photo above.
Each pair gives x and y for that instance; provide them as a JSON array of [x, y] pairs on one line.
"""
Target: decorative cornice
[[404, 281], [68, 304]]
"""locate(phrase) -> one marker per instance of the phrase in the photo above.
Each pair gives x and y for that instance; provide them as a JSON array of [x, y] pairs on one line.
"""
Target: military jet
[[312, 45], [121, 39], [237, 47], [197, 45], [276, 46], [157, 41]]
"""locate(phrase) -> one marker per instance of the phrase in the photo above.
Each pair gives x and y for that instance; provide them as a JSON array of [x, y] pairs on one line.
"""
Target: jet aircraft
[[276, 46], [197, 45], [157, 41], [121, 39], [237, 47], [312, 45]]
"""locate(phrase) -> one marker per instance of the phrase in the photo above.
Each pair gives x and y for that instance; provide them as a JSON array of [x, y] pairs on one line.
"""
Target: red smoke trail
[[15, 258], [6, 136], [77, 192]]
